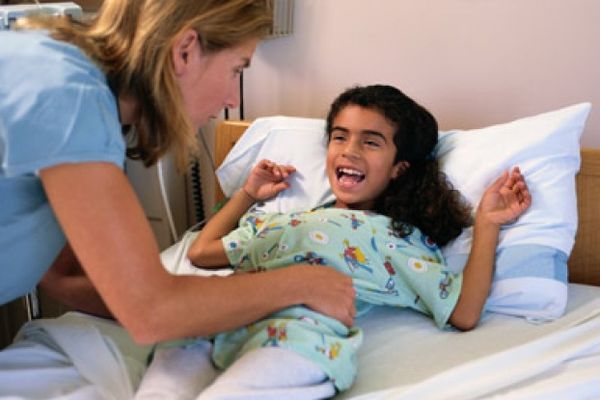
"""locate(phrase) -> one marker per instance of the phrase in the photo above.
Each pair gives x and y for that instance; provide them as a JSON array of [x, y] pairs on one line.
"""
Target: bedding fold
[[75, 356]]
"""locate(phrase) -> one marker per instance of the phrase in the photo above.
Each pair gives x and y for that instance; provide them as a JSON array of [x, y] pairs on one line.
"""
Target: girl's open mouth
[[349, 176]]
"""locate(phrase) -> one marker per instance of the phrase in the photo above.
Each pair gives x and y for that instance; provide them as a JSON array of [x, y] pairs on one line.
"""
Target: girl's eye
[[372, 143]]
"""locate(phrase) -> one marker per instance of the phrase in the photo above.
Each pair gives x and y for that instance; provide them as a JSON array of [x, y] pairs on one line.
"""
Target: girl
[[393, 209]]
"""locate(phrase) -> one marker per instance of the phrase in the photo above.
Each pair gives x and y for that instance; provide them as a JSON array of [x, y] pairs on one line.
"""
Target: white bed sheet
[[405, 356]]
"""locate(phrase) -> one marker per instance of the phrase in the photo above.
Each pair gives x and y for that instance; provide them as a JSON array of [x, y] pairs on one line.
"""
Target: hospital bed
[[405, 356], [512, 354]]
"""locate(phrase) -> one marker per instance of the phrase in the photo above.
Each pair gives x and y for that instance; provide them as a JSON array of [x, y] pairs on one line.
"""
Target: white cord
[[165, 199], [32, 304]]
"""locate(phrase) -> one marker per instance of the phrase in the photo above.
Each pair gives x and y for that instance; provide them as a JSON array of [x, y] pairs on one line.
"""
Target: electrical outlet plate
[[10, 13]]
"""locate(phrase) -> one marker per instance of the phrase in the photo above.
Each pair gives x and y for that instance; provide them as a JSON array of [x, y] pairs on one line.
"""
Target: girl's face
[[209, 82], [360, 157]]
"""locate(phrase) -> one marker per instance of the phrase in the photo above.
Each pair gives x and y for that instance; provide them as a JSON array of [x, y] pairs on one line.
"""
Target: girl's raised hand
[[505, 199], [267, 179]]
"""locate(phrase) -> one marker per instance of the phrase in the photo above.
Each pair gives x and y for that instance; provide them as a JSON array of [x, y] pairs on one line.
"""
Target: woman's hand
[[330, 292], [505, 199], [320, 288], [267, 179]]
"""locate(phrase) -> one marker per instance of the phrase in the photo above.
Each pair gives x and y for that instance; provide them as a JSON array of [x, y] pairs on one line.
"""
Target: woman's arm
[[108, 232], [66, 282], [265, 180], [504, 201]]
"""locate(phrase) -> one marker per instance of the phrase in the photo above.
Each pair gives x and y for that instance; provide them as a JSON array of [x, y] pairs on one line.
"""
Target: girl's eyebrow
[[368, 132], [340, 128]]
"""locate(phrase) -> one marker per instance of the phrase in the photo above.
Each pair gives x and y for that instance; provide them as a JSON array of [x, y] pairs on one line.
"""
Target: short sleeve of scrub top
[[55, 107]]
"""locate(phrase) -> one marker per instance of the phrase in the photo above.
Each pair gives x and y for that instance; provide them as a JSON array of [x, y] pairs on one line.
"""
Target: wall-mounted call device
[[10, 13]]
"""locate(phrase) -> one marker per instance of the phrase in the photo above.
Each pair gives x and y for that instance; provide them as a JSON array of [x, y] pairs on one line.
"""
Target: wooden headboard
[[584, 263]]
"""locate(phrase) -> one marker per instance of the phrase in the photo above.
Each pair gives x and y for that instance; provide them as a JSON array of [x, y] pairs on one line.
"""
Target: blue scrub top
[[55, 107]]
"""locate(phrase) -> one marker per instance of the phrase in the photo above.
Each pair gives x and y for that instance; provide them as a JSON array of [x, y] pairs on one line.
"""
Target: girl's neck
[[339, 204]]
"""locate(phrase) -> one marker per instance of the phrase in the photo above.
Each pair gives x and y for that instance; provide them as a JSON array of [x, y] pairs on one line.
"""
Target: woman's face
[[360, 157], [209, 82]]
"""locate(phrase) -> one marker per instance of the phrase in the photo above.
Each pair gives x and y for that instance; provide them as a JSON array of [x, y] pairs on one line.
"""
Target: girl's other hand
[[506, 199], [267, 179]]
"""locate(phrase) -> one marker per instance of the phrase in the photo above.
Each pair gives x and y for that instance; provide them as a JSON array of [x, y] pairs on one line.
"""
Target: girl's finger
[[500, 181]]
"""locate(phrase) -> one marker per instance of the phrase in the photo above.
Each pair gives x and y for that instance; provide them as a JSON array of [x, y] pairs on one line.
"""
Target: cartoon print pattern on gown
[[386, 270]]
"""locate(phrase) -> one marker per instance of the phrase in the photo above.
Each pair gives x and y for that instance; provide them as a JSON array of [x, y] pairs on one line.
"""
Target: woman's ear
[[185, 48], [399, 168]]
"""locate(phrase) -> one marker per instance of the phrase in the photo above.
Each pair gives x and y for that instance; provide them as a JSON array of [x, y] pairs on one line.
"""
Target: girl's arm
[[110, 236], [503, 202], [265, 180]]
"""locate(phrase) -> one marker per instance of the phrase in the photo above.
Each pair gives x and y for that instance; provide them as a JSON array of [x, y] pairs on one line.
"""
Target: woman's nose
[[232, 99]]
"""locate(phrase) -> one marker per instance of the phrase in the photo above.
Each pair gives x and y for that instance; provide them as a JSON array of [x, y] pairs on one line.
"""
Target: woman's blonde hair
[[131, 42]]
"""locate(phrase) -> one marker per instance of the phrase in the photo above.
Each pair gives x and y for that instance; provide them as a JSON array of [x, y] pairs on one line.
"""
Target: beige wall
[[471, 62]]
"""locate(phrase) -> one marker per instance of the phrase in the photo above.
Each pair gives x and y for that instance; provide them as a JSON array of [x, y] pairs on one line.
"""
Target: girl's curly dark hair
[[422, 196]]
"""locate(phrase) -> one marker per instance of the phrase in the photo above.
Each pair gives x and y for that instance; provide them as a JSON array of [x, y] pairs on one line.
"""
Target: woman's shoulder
[[36, 57], [57, 96]]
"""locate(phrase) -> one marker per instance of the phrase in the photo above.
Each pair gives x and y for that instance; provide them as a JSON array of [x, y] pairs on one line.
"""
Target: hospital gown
[[386, 270]]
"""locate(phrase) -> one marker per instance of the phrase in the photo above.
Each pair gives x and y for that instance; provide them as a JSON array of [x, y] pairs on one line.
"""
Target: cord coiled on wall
[[197, 191]]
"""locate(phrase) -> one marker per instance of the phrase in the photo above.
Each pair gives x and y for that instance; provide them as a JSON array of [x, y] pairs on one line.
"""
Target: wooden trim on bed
[[226, 134], [584, 263]]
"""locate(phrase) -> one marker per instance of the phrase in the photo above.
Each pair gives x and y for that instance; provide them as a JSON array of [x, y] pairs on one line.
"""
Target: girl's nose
[[352, 148]]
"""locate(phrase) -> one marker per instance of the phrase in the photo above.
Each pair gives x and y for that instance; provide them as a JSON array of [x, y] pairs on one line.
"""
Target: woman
[[158, 69]]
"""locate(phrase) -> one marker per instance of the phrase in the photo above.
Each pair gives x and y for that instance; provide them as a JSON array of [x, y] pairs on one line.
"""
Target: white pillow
[[531, 271], [300, 142]]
